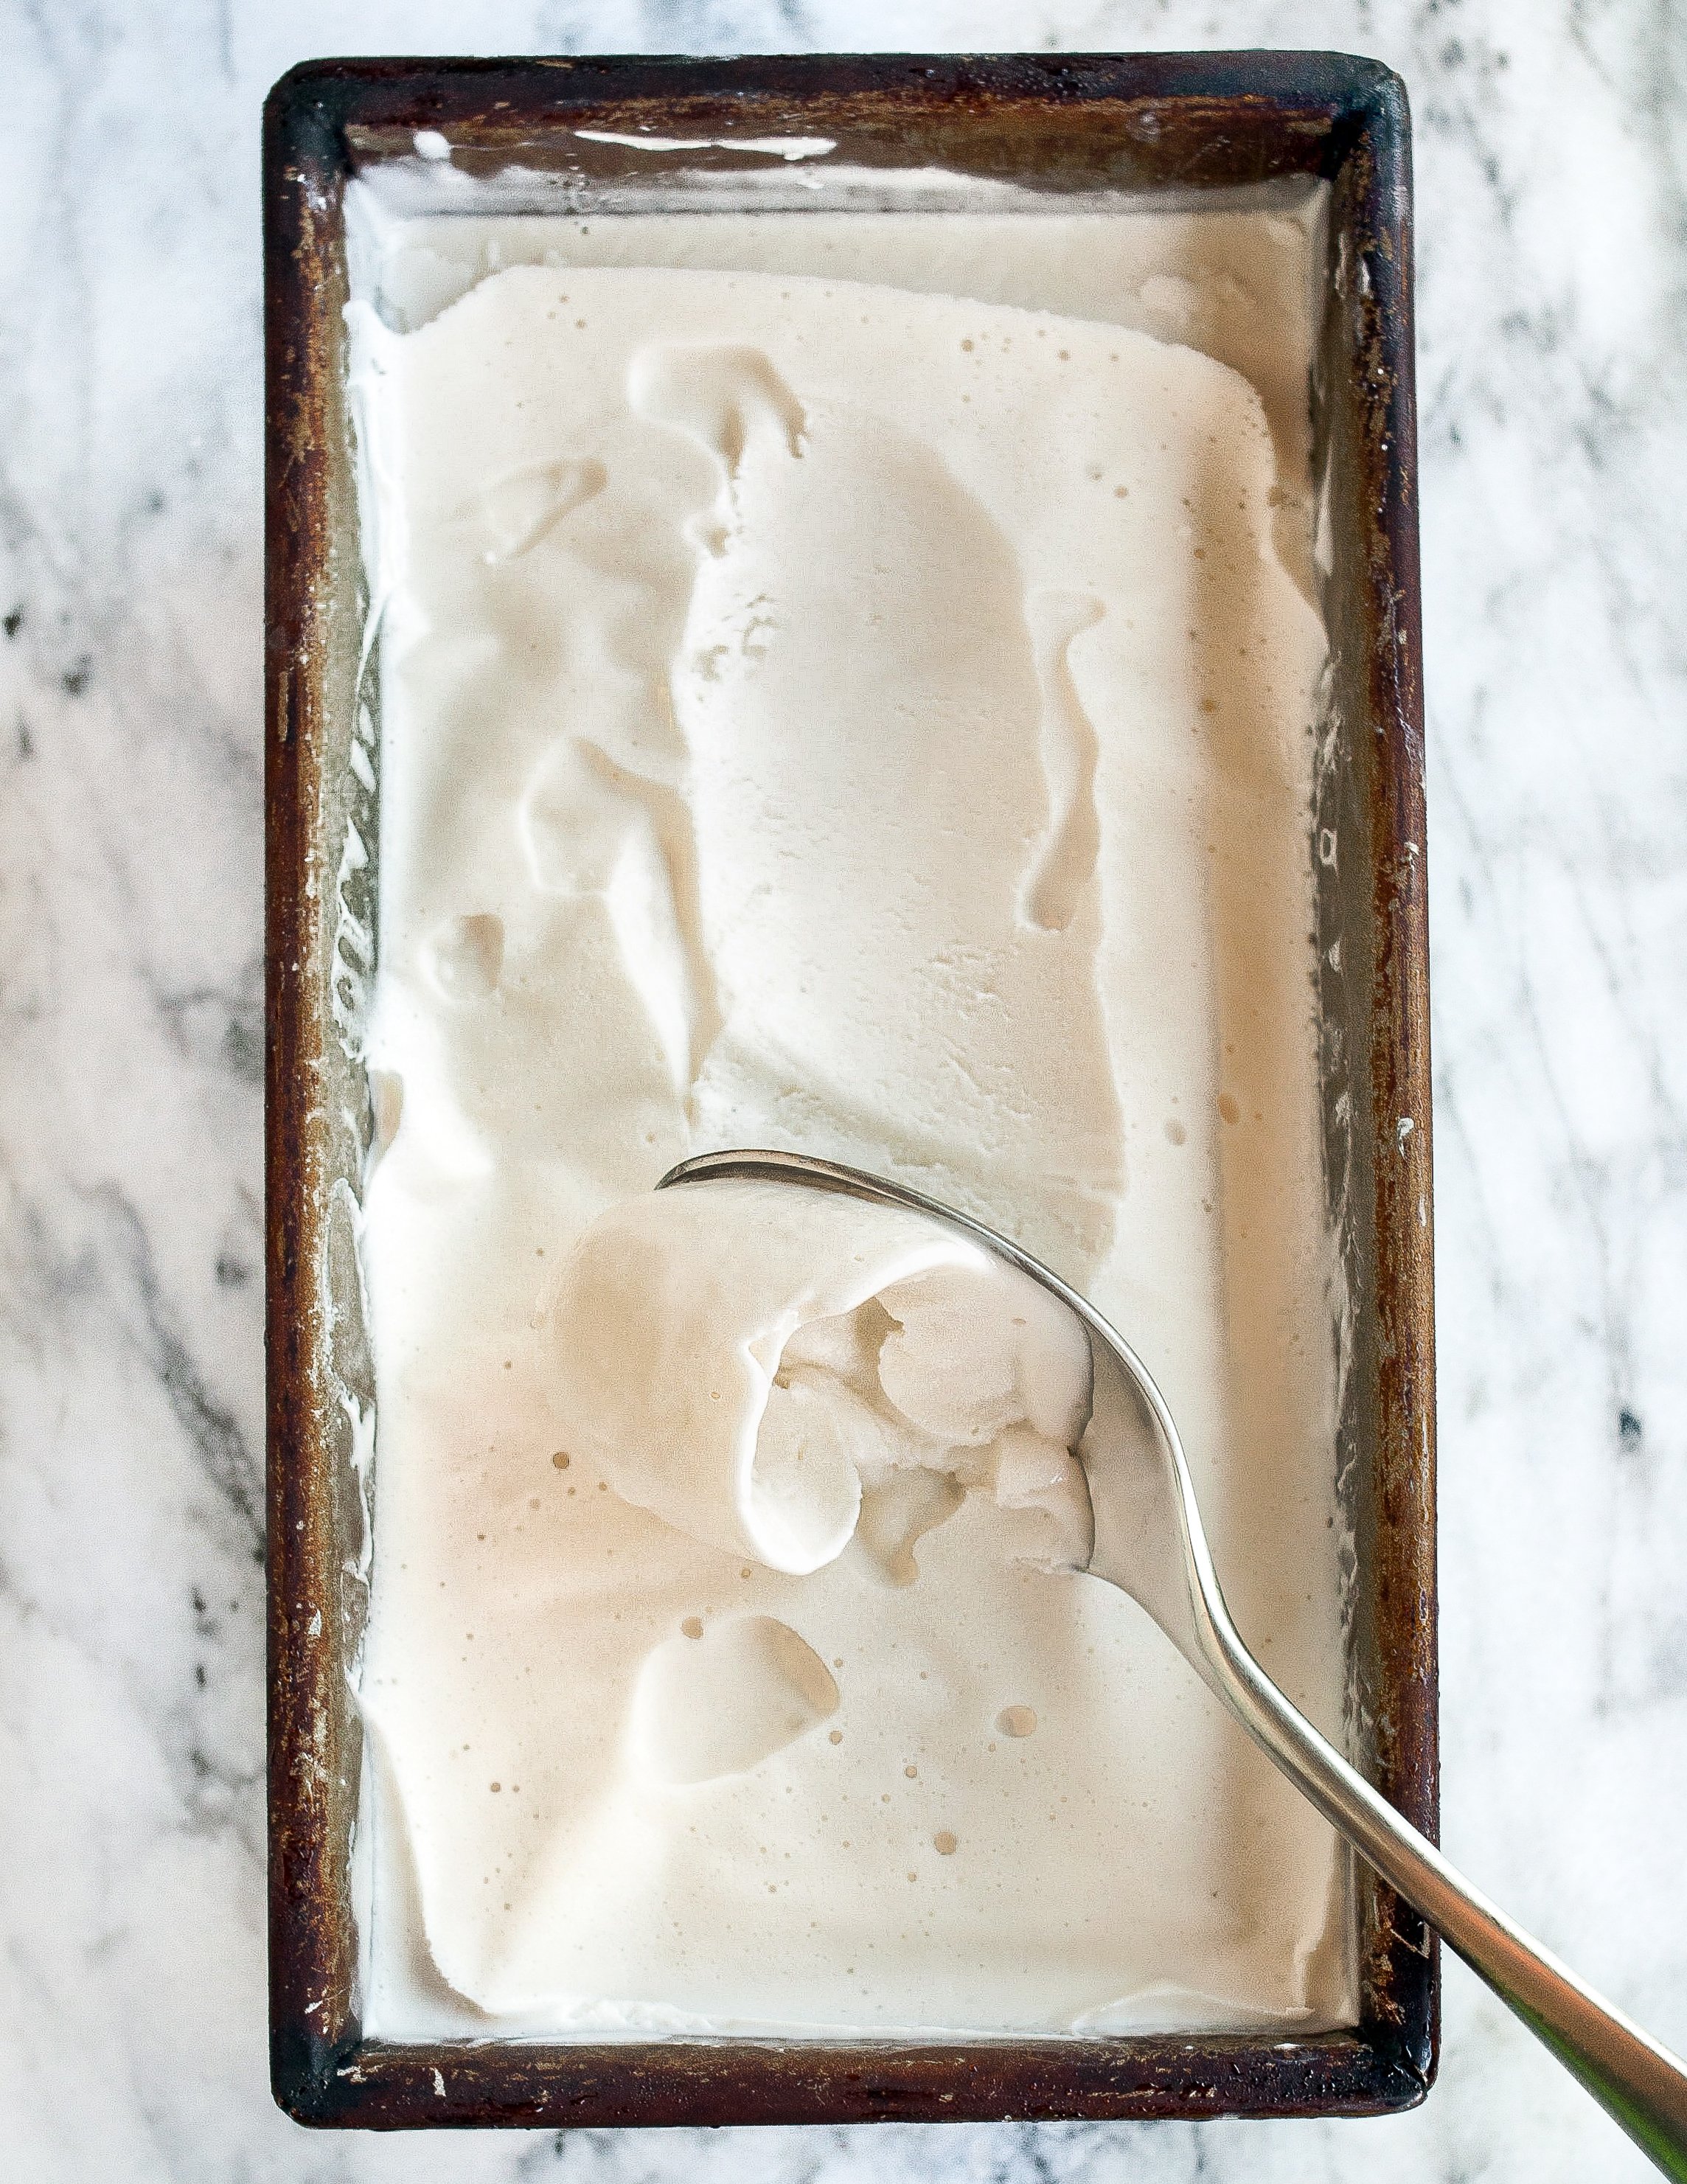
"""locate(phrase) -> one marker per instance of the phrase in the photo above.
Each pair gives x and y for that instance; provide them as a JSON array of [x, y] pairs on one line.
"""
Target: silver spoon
[[1150, 1543]]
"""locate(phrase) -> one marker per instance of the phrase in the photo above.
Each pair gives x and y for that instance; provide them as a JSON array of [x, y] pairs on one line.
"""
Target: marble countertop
[[1552, 227]]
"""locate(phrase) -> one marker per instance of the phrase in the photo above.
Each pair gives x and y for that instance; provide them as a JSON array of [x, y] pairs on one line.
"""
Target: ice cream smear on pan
[[846, 683]]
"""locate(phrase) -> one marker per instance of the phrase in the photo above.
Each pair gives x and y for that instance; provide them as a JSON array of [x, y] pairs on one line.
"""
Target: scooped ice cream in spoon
[[805, 1356]]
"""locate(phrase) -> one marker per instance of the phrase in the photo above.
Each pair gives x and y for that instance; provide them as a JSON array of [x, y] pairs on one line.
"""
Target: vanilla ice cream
[[820, 711], [770, 1370]]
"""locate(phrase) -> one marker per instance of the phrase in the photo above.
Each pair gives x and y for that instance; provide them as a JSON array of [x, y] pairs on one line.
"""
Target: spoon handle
[[1642, 2084], [1638, 2081]]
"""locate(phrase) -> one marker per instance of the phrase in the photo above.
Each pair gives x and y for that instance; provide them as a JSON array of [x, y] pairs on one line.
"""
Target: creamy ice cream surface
[[780, 1374], [826, 712]]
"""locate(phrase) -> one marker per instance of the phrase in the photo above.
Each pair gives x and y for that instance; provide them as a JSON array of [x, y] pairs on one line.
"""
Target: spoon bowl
[[1150, 1543]]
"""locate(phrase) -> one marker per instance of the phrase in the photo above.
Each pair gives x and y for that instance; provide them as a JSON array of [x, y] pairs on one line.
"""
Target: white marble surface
[[1552, 221]]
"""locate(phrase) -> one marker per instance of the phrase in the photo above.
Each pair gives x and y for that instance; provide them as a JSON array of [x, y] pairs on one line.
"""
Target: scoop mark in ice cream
[[467, 956], [1065, 863], [786, 1373], [720, 1701], [524, 506]]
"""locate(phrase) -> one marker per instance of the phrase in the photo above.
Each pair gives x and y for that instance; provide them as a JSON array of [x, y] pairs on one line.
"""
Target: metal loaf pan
[[1162, 123]]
